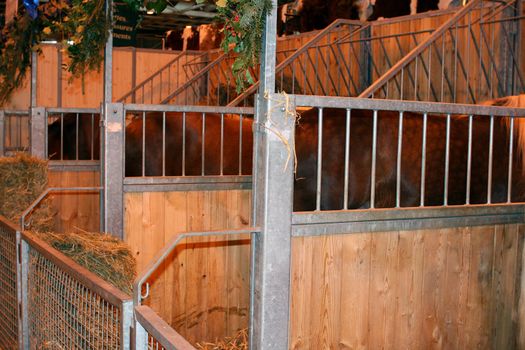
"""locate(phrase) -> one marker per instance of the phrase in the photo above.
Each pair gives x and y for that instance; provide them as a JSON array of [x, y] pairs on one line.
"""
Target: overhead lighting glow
[[150, 12]]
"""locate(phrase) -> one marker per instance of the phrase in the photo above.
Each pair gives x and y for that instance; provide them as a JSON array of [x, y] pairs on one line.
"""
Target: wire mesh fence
[[66, 313], [8, 286], [69, 307]]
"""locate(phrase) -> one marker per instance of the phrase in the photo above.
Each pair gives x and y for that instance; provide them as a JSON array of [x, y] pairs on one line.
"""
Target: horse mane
[[516, 101]]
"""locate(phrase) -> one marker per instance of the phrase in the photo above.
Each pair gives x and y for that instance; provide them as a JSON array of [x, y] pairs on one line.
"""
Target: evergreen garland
[[243, 30]]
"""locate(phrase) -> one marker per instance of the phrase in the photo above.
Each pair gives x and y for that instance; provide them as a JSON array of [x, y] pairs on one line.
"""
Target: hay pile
[[104, 255], [22, 179], [238, 342]]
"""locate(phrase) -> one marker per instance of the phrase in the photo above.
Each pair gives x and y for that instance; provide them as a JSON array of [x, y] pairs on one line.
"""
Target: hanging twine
[[285, 105]]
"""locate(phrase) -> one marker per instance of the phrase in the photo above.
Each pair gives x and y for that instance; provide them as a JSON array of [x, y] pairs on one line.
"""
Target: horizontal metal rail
[[160, 334], [198, 109], [73, 110], [381, 220], [397, 105], [187, 183]]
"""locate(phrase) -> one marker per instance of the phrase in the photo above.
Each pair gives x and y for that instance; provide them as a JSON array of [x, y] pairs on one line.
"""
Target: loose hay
[[102, 254], [22, 179], [238, 342]]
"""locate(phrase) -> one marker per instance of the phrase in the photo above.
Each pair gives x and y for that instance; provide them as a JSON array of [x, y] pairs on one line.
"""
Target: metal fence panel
[[63, 312], [8, 286], [69, 307]]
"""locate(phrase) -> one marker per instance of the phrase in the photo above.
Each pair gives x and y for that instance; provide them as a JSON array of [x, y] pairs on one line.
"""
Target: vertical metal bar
[[429, 72], [183, 143], [447, 159], [143, 143], [491, 156], [319, 159], [374, 156], [398, 161], [454, 93], [416, 96], [442, 67], [203, 145], [163, 143], [468, 34], [347, 159], [240, 145], [23, 279], [76, 137], [511, 153], [222, 144], [61, 136], [92, 136], [423, 161], [469, 159]]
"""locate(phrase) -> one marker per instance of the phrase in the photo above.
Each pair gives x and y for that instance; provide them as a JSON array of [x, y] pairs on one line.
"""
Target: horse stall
[[402, 225]]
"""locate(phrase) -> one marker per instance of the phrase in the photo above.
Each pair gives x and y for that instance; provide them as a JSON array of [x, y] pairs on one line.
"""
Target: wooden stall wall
[[203, 289], [457, 288], [56, 88], [76, 211]]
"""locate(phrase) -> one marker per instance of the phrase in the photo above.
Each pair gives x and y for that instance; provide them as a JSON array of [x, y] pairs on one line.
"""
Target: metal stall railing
[[15, 133], [370, 154], [65, 305], [471, 57], [72, 134], [169, 77], [151, 332]]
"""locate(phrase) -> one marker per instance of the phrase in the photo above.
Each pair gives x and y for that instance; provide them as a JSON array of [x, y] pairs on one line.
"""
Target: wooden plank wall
[[203, 290], [76, 211], [432, 289]]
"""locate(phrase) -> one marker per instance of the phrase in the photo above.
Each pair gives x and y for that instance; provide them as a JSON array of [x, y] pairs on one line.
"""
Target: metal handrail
[[49, 190], [166, 251], [154, 75], [196, 77], [289, 60]]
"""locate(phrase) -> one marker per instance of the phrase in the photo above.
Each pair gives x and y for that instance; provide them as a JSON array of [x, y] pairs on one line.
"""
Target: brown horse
[[360, 161]]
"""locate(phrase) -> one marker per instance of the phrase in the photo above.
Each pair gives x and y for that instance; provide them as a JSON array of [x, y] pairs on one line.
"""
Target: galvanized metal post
[[2, 133], [38, 132], [272, 211], [113, 168], [23, 275], [141, 337], [126, 323]]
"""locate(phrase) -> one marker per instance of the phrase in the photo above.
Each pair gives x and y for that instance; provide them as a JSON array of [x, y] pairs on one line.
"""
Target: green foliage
[[243, 31], [17, 40]]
